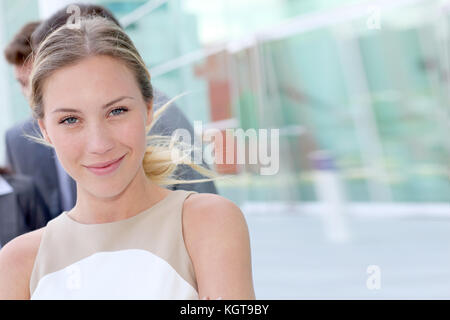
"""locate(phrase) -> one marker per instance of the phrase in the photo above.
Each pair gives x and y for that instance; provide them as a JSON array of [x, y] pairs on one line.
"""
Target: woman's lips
[[107, 169]]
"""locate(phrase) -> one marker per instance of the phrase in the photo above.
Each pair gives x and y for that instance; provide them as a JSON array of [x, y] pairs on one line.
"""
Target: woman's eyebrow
[[116, 100], [104, 106]]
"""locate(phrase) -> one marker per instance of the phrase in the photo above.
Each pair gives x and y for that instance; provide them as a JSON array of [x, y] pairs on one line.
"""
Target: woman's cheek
[[133, 136], [69, 149]]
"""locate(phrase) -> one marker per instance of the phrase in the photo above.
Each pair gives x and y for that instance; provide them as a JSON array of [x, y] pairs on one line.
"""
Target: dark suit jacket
[[23, 210], [29, 158]]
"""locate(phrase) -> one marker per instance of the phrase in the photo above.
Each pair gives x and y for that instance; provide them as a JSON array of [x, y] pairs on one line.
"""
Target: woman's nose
[[99, 139]]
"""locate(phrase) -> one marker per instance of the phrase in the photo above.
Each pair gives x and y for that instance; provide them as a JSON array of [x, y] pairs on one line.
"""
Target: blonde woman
[[127, 237]]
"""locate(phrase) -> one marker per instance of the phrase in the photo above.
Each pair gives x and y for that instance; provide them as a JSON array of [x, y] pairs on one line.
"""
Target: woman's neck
[[139, 195]]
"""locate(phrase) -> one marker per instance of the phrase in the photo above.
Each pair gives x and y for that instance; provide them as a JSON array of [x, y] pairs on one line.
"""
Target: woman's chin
[[106, 191]]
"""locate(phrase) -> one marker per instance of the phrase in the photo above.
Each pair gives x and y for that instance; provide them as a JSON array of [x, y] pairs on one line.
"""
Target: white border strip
[[361, 209]]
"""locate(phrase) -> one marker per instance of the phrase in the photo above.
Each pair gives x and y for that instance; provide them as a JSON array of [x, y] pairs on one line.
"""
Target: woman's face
[[94, 114]]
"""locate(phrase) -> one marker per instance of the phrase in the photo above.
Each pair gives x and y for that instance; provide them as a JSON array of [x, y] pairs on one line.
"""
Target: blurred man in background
[[18, 54], [22, 208], [40, 162], [22, 205]]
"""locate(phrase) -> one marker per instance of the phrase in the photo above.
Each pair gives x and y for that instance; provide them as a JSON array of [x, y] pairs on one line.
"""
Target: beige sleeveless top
[[141, 257]]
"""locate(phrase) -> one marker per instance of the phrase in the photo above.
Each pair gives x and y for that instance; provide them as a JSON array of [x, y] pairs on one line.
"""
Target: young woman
[[127, 236]]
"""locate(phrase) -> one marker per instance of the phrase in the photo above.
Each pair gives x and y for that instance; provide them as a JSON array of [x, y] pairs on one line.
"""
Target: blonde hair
[[98, 36]]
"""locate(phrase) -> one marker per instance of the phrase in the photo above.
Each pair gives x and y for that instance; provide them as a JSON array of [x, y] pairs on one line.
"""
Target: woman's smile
[[106, 168]]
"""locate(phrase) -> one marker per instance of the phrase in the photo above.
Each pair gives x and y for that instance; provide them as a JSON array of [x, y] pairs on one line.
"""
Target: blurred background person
[[17, 54], [29, 158], [22, 208]]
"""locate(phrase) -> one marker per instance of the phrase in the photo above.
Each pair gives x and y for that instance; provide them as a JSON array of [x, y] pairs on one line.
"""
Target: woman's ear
[[44, 131]]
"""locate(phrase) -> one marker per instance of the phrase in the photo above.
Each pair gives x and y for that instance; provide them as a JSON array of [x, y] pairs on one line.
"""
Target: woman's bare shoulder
[[16, 264], [205, 213], [204, 202], [217, 239]]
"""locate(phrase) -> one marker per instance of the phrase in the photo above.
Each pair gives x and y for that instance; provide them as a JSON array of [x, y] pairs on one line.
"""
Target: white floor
[[292, 259]]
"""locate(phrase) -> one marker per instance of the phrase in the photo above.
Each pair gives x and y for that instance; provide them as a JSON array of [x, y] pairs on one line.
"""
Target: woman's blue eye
[[119, 109], [67, 120]]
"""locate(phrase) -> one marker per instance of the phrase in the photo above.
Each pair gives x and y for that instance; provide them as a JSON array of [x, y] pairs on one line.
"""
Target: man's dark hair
[[19, 48], [61, 17]]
